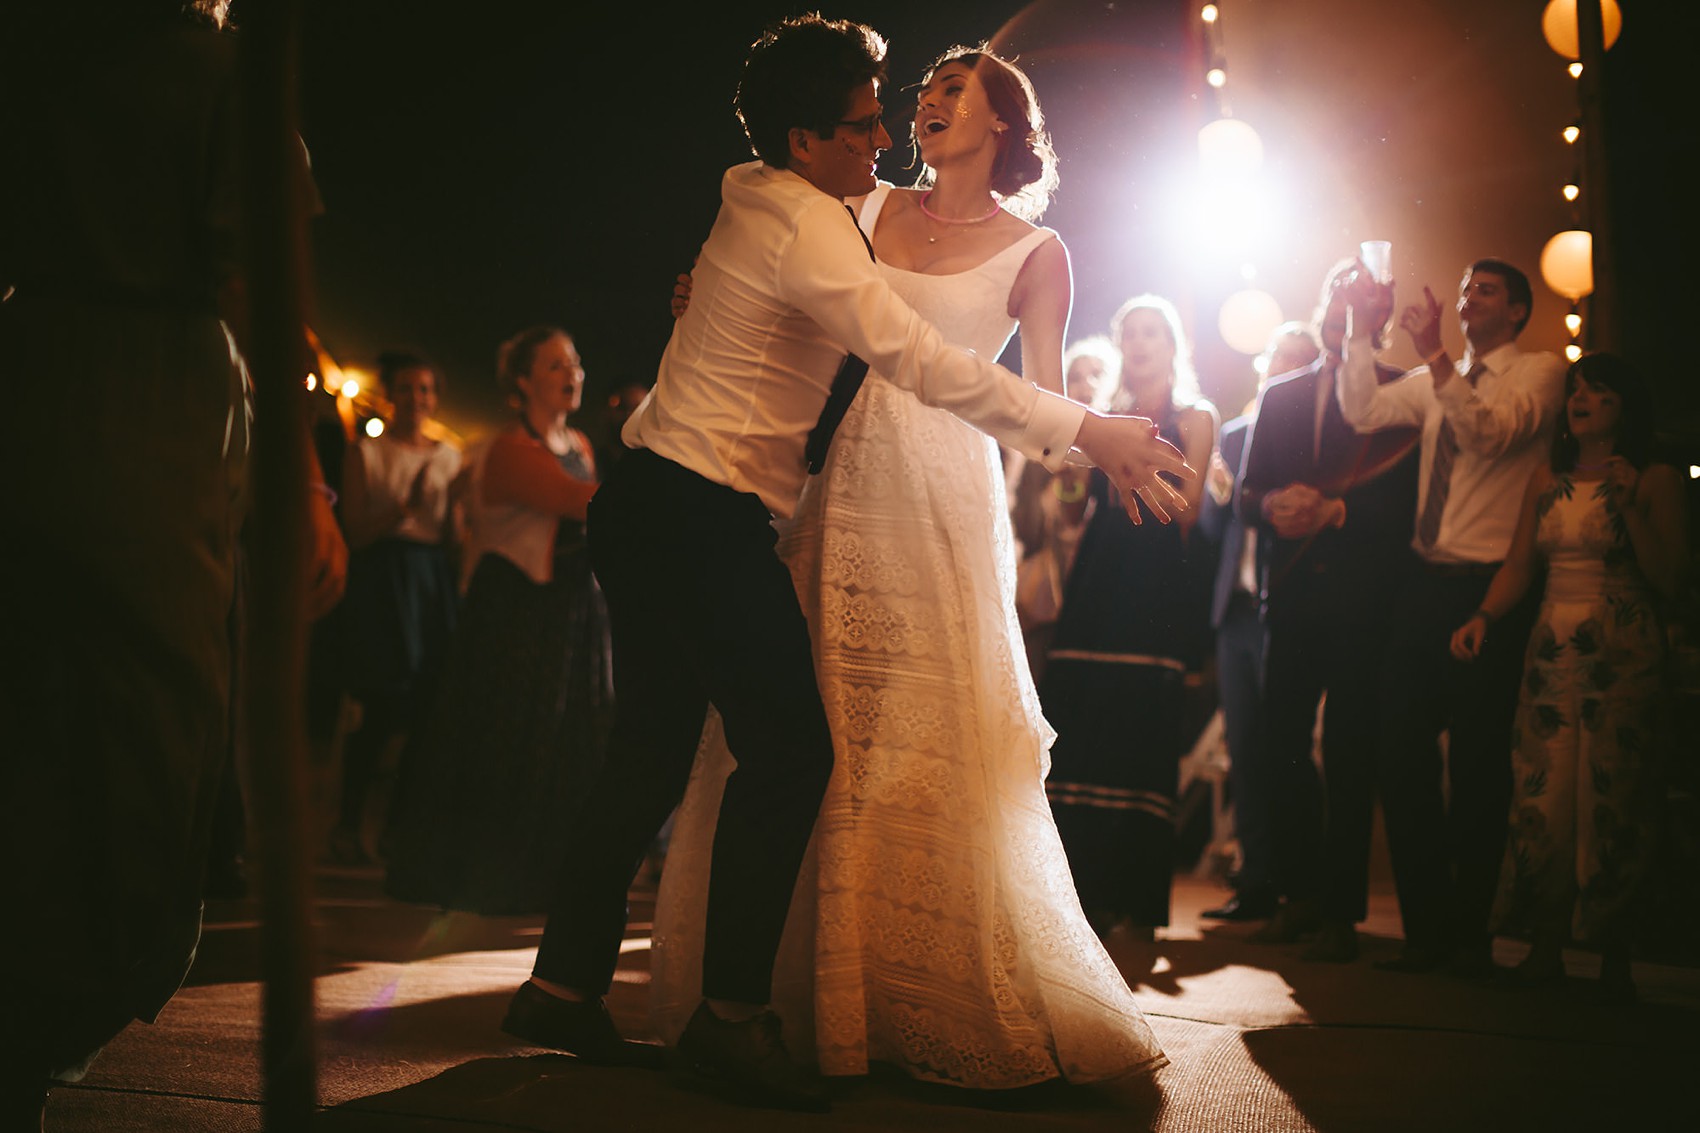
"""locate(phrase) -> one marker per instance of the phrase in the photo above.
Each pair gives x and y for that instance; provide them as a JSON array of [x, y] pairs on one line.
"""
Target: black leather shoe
[[1243, 907], [746, 1062], [582, 1029]]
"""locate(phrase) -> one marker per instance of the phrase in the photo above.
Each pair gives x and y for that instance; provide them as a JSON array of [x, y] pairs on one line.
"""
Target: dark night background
[[483, 169]]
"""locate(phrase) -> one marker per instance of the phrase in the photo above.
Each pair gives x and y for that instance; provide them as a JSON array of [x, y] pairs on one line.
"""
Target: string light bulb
[[1573, 323], [1571, 133], [350, 389], [1572, 191], [1572, 352], [1216, 77], [1209, 14], [375, 427], [1575, 70], [312, 382]]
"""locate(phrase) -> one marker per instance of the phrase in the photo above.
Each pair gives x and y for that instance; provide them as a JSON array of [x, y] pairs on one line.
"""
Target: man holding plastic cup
[[1334, 511], [1487, 421]]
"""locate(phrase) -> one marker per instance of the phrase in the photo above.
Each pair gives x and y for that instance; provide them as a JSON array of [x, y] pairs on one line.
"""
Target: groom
[[681, 537]]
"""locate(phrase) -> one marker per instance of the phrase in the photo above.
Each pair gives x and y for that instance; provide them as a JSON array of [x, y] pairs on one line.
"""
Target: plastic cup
[[1377, 256]]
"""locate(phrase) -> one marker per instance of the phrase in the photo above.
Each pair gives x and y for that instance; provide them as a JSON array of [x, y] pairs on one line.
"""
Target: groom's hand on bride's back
[[1132, 455]]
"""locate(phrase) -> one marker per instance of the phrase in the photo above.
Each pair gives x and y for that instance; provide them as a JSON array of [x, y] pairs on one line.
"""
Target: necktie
[[1324, 394], [844, 386], [1440, 473]]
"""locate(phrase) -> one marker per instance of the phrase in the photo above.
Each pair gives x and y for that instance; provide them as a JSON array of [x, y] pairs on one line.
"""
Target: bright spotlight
[[375, 427], [1229, 148], [1247, 318]]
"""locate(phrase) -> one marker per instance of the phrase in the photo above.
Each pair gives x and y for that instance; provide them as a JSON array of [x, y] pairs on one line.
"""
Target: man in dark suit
[[1236, 617], [1336, 510]]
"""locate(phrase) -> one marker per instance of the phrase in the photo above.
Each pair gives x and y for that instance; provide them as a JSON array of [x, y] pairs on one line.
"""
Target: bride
[[935, 925]]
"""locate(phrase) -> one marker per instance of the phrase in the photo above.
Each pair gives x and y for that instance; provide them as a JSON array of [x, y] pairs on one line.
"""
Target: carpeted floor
[[1258, 1040]]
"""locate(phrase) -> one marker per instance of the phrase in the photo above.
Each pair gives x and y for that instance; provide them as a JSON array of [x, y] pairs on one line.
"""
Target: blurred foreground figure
[[125, 469]]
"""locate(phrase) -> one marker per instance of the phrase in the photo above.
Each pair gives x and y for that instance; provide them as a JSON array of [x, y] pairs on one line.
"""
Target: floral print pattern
[[1588, 717]]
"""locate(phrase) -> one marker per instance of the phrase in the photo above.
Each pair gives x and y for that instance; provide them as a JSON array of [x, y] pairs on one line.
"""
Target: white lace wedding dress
[[935, 924]]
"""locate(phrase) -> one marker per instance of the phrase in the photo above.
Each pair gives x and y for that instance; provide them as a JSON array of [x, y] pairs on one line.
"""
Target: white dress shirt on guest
[[782, 288], [1504, 427]]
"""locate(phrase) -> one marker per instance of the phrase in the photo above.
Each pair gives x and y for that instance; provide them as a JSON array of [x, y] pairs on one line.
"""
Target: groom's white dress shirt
[[783, 287]]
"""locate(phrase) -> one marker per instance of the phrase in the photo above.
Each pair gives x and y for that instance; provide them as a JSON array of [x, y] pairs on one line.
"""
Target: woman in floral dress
[[1608, 524]]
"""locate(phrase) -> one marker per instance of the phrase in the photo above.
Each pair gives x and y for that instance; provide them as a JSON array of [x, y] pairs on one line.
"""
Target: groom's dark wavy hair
[[800, 73]]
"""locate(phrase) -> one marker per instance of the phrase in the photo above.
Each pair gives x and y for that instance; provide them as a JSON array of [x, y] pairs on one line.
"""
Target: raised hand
[[1422, 322]]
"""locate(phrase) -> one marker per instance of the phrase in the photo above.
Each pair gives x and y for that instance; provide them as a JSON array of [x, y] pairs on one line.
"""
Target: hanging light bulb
[[1559, 26], [1572, 191], [350, 389], [1567, 263], [1216, 77], [312, 382], [1573, 323], [1228, 147], [375, 427], [1571, 133], [1575, 70], [1209, 14], [1572, 352]]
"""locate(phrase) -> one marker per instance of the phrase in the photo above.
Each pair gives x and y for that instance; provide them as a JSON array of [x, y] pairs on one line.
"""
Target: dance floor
[[410, 1003]]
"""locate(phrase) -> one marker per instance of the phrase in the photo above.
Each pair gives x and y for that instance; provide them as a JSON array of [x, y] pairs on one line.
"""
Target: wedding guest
[[1133, 623], [1242, 640], [1047, 530], [402, 598], [520, 722], [1607, 521], [1486, 424], [119, 289], [1333, 509]]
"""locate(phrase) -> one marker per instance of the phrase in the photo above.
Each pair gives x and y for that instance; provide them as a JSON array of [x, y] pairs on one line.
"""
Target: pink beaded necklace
[[997, 207]]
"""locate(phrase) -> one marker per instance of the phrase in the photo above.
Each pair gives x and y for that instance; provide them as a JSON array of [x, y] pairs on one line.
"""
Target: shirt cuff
[[1051, 429]]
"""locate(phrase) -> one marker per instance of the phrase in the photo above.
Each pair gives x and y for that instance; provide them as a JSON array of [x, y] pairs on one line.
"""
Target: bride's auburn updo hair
[[1024, 174]]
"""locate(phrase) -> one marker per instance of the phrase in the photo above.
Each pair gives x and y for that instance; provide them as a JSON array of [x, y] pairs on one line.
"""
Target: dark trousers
[[1326, 636], [701, 612], [1241, 644], [1446, 821]]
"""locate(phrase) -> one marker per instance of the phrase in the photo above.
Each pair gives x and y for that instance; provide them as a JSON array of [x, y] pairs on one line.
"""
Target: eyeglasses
[[868, 126]]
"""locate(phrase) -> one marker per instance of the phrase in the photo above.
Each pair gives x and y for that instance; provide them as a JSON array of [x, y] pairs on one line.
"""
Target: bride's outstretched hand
[[1131, 454]]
